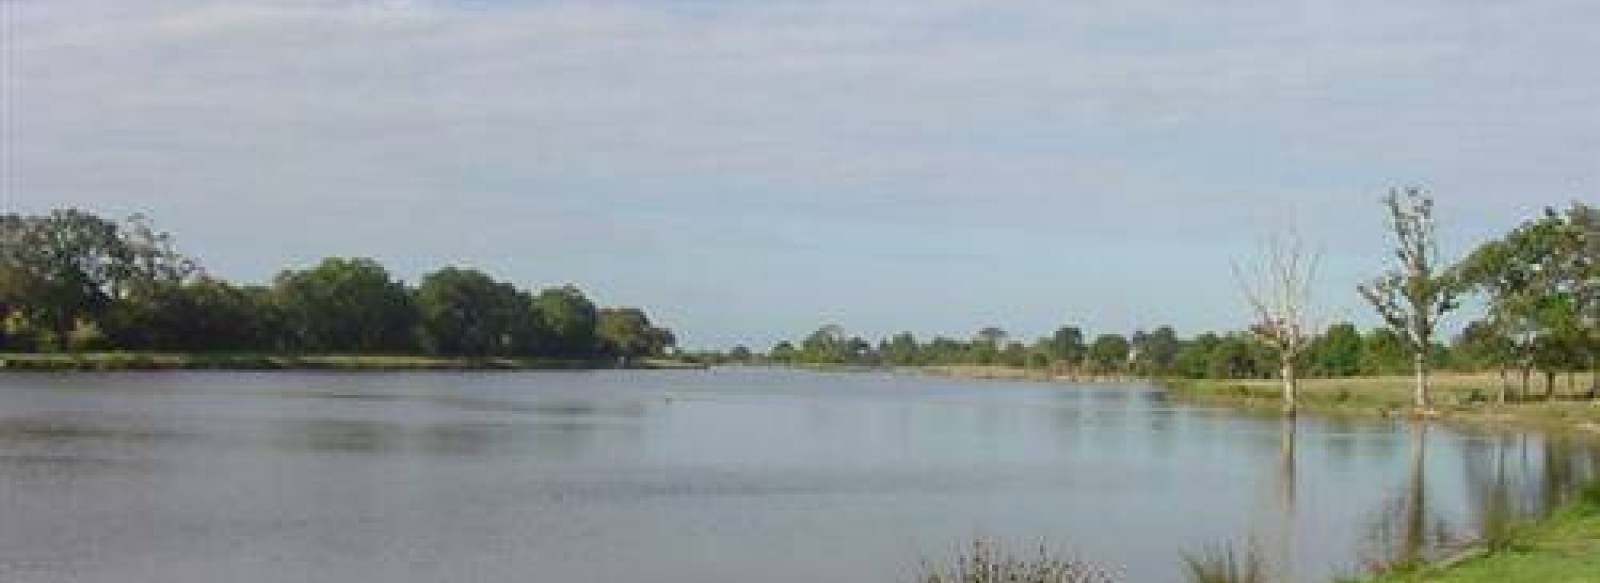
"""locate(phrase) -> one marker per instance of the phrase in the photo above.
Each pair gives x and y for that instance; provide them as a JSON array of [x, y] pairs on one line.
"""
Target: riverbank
[[117, 361], [1563, 549], [1458, 398]]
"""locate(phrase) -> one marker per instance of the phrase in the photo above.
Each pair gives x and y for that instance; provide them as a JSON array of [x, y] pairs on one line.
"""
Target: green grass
[[1563, 549], [1459, 398], [110, 361]]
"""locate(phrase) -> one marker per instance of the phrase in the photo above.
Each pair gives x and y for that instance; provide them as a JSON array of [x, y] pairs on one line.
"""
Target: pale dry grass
[[1460, 397]]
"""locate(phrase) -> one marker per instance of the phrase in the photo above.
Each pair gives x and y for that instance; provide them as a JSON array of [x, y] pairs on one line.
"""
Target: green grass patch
[[1563, 549]]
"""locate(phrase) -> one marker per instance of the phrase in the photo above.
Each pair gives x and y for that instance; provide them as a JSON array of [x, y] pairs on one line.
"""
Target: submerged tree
[[1280, 296], [1413, 297]]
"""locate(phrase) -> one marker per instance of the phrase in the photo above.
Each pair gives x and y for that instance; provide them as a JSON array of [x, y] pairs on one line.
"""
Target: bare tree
[[1280, 297], [1413, 297]]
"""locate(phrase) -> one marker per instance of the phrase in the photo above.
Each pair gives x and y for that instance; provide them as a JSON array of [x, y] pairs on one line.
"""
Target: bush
[[1223, 565], [986, 562]]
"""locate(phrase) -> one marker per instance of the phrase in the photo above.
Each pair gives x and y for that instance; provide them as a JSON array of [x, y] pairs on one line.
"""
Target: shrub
[[986, 562]]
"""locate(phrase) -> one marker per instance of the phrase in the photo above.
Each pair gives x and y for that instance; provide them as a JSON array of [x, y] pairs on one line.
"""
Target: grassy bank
[[1458, 398], [1562, 549], [113, 361]]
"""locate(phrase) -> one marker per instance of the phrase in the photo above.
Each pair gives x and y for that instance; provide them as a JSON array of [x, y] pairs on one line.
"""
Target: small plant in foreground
[[1224, 565], [986, 562]]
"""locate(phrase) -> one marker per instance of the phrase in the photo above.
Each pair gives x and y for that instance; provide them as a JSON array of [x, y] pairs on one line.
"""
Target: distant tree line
[[73, 281], [1343, 350], [1539, 283]]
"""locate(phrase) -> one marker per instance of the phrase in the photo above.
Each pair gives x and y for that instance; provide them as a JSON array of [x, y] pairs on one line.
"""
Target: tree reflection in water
[[1509, 478]]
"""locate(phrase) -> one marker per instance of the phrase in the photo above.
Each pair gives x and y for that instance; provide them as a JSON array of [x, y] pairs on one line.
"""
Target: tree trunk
[[1594, 376], [1505, 385], [1420, 362], [1549, 385], [1527, 374], [1291, 386]]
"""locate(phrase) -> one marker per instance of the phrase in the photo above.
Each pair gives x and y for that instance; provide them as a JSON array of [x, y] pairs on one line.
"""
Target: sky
[[749, 170]]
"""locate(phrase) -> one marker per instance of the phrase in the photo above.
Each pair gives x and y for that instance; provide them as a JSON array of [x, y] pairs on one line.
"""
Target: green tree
[[1540, 284], [901, 350], [627, 333], [571, 321], [1413, 297], [1066, 345], [783, 353], [824, 346], [205, 315], [1194, 359], [1156, 352], [464, 312], [1015, 354], [60, 270], [987, 345], [1238, 356], [1384, 352], [1109, 353], [346, 305], [1338, 352]]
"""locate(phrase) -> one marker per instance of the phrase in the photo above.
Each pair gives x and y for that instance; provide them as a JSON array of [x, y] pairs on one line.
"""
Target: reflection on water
[[723, 475], [1508, 478]]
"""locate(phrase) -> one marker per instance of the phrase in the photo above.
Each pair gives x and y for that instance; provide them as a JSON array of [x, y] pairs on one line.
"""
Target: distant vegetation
[[1539, 285], [72, 281]]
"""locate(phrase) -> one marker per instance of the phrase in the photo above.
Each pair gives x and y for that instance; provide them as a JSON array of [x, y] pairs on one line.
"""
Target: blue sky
[[750, 170]]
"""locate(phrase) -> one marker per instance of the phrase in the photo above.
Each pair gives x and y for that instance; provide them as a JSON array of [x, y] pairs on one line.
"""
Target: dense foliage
[[71, 281], [1343, 350]]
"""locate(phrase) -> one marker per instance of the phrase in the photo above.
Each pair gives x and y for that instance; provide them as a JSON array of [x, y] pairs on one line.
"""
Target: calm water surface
[[702, 476]]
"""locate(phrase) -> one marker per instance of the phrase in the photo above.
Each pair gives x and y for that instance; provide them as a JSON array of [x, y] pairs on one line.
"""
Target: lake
[[728, 475]]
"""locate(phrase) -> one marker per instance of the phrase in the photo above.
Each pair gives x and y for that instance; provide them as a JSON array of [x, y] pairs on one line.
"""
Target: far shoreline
[[1460, 399]]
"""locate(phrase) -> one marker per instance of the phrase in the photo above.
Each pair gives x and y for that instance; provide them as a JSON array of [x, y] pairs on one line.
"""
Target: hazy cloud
[[747, 165]]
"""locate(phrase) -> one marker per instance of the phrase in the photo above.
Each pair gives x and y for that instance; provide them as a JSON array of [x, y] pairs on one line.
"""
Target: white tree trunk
[[1291, 388], [1421, 364]]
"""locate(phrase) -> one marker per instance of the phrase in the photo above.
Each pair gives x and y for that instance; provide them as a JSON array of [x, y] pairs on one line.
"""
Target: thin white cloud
[[614, 118]]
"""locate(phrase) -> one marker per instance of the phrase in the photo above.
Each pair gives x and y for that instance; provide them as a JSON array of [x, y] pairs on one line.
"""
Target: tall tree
[[1540, 283], [1583, 224], [464, 312], [61, 270], [1418, 292], [571, 320], [1279, 294], [346, 305]]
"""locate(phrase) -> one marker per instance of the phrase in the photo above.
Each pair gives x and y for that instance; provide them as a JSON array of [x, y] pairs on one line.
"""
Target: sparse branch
[[1280, 297], [1413, 297]]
